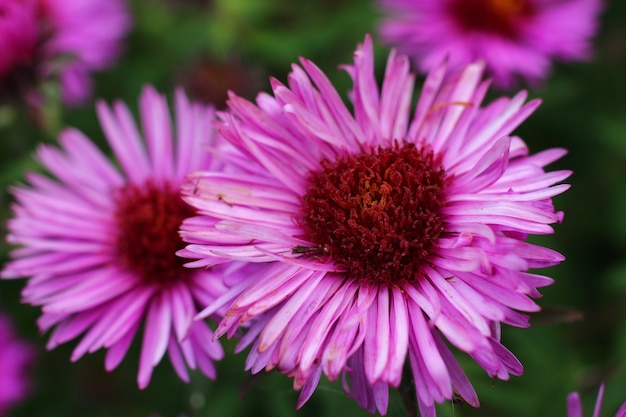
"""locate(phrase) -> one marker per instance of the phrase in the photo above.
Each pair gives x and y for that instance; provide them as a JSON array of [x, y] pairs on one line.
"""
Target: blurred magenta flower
[[379, 233], [67, 39], [513, 37], [15, 359], [18, 35], [98, 243], [575, 408]]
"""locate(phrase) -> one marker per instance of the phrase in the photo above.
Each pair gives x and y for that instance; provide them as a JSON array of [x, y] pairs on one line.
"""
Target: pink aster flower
[[575, 408], [514, 37], [67, 39], [18, 34], [98, 243], [379, 233], [15, 358]]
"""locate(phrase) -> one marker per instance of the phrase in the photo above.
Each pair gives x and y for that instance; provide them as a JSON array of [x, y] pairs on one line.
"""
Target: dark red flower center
[[376, 214], [148, 218], [501, 17]]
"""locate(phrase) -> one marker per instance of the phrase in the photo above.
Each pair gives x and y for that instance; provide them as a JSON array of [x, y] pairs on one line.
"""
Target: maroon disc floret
[[495, 16], [148, 218], [377, 214]]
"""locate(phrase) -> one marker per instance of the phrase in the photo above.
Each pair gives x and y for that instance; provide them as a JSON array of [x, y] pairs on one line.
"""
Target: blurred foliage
[[238, 44]]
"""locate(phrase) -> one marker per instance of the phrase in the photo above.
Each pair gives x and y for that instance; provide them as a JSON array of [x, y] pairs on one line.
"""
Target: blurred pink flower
[[67, 39], [98, 244], [378, 233], [15, 358], [18, 35], [513, 37], [575, 408]]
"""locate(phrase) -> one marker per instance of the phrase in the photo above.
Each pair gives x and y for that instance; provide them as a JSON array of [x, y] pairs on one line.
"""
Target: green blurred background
[[578, 341]]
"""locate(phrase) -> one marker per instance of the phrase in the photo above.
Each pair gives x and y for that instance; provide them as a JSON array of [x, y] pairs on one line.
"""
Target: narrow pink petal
[[361, 390], [309, 388], [456, 104], [377, 342], [263, 233], [399, 337], [501, 208], [279, 276], [509, 361], [203, 340], [420, 375], [188, 351], [365, 92], [349, 334], [125, 313], [124, 139], [256, 119], [293, 340], [52, 263], [183, 311], [429, 92], [524, 177], [257, 361], [454, 326], [118, 350], [252, 334], [75, 175], [286, 290], [193, 131], [156, 335], [155, 121], [326, 317], [225, 298], [499, 294], [71, 327], [221, 209], [458, 302], [176, 358], [439, 381], [84, 152], [456, 142], [102, 286], [574, 406], [280, 320], [61, 246], [285, 173], [598, 406], [59, 199], [536, 195], [344, 341], [92, 340], [381, 397], [426, 410], [242, 189], [460, 382], [395, 98], [488, 169], [338, 109]]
